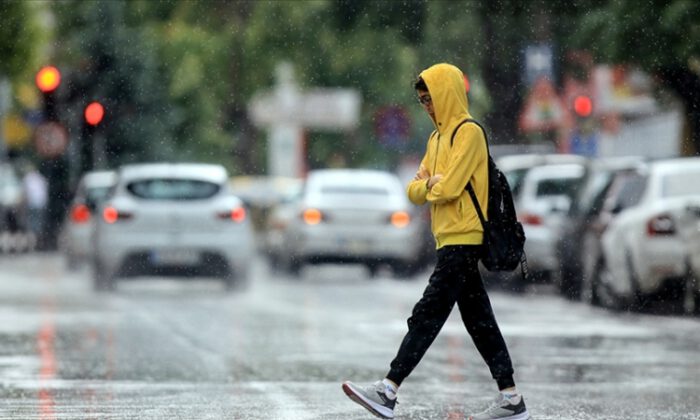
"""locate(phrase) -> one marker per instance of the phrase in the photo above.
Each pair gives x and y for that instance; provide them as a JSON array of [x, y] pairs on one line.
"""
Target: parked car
[[544, 199], [579, 241], [516, 166], [348, 216], [644, 251], [172, 219], [691, 231], [75, 239]]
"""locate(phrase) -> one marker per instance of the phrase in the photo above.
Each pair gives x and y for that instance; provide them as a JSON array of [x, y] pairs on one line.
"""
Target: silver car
[[645, 246], [78, 226], [172, 219], [348, 216], [542, 204]]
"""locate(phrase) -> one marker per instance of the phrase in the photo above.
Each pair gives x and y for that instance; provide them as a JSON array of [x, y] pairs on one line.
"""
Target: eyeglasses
[[425, 100]]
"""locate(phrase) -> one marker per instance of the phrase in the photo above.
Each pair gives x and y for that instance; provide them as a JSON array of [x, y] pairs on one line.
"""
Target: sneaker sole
[[367, 404], [522, 416]]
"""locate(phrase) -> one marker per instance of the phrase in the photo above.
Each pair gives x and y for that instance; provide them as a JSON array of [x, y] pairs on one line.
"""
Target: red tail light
[[112, 215], [237, 215], [80, 214], [400, 219], [661, 225], [531, 219], [312, 216]]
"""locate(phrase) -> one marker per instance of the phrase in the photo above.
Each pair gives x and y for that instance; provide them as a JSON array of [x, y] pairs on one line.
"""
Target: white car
[[348, 216], [545, 196], [516, 166], [172, 219], [645, 251], [692, 235], [76, 233]]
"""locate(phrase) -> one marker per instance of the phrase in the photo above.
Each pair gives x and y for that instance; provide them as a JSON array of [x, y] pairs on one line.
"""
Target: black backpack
[[504, 238]]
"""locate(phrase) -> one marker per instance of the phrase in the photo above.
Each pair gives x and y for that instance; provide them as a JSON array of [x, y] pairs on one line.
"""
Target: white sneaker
[[372, 397], [503, 408]]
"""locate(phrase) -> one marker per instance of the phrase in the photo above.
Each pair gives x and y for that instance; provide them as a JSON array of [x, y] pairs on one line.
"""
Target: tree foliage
[[177, 75], [663, 38], [20, 37], [113, 63]]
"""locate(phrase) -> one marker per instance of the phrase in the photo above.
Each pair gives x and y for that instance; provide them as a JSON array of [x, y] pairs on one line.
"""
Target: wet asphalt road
[[164, 349]]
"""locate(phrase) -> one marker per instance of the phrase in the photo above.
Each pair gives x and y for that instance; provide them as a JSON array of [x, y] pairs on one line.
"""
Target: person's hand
[[434, 180], [421, 174]]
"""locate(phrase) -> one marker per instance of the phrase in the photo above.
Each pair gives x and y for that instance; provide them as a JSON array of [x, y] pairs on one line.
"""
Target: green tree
[[117, 65], [20, 37], [662, 37], [364, 52]]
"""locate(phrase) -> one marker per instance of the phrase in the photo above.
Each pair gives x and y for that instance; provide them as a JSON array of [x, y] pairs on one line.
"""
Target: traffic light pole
[[51, 140], [86, 148]]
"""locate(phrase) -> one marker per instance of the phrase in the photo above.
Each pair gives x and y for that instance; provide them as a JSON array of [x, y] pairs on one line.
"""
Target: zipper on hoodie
[[435, 207]]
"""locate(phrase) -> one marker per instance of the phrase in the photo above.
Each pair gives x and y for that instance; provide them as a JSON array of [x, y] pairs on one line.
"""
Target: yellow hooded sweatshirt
[[454, 218]]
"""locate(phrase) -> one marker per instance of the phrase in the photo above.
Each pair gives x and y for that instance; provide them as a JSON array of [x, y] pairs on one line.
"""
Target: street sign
[[538, 63], [286, 112], [328, 109], [50, 140]]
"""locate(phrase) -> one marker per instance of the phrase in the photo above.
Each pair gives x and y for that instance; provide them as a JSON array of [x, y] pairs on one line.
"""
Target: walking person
[[441, 180], [35, 189]]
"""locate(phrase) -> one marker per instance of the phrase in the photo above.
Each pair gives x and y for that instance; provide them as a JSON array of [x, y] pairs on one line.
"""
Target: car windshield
[[591, 197], [557, 186], [677, 185], [629, 192], [173, 189]]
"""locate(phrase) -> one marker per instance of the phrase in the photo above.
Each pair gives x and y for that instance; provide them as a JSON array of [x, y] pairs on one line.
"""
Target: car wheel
[[294, 267], [237, 280], [570, 285], [274, 263], [72, 263], [102, 280], [602, 291], [405, 269], [637, 300], [372, 269], [591, 285]]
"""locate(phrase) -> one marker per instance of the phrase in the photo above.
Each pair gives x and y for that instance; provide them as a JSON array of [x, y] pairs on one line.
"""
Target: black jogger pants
[[456, 278]]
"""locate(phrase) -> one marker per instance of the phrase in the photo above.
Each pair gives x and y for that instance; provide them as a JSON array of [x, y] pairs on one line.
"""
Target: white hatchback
[[645, 246], [544, 200], [349, 216], [172, 219]]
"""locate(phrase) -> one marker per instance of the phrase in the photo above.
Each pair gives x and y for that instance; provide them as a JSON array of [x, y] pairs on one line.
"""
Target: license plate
[[354, 245], [175, 257]]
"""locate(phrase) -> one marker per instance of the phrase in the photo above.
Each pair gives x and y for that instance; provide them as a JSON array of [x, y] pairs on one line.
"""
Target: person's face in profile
[[426, 101]]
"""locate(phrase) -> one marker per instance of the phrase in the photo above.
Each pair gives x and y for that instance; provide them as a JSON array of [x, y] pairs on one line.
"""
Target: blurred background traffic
[[303, 121]]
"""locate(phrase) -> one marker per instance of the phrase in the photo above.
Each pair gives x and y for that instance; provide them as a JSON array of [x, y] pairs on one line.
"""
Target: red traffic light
[[48, 79], [583, 106], [94, 113]]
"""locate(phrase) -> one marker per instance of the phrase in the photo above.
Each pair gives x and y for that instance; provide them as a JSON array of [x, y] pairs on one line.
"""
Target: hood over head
[[448, 92]]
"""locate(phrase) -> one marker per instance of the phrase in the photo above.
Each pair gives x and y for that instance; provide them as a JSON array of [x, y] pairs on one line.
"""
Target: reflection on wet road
[[163, 349]]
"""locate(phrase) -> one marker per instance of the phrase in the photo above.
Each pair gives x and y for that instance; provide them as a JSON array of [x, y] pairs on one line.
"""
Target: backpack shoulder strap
[[471, 120], [469, 187]]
